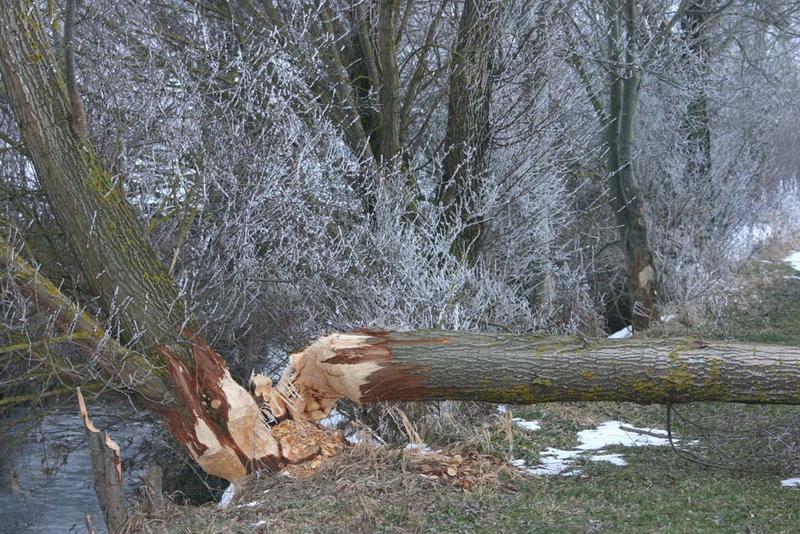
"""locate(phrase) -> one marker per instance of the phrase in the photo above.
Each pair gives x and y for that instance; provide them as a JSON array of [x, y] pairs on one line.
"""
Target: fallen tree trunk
[[373, 366]]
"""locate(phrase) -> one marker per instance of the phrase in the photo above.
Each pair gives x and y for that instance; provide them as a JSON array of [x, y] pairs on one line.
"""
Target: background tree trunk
[[468, 132], [698, 130], [628, 201]]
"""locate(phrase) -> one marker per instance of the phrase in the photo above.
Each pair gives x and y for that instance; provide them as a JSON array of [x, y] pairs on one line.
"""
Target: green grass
[[772, 313], [752, 447]]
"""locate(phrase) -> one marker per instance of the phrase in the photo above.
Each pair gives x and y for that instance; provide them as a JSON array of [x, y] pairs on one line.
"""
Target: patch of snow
[[227, 496], [354, 437], [530, 426], [357, 437], [260, 522], [555, 462], [615, 458], [249, 504], [668, 318], [334, 419], [420, 448], [560, 462], [793, 259], [612, 433], [791, 482], [502, 408], [622, 334], [791, 277], [518, 463]]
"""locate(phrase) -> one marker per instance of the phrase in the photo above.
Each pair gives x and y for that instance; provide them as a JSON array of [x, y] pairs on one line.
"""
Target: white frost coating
[[746, 237], [530, 426], [622, 334], [227, 496], [560, 462], [793, 259], [791, 482]]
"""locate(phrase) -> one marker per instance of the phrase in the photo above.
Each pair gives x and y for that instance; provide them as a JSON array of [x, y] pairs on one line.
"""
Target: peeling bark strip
[[217, 420], [369, 367], [106, 471]]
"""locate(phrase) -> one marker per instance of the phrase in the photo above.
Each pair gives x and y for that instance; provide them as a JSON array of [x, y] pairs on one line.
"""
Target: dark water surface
[[53, 470]]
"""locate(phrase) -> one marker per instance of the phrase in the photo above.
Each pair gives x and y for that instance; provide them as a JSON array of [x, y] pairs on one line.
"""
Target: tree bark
[[389, 91], [468, 132], [628, 202], [369, 366]]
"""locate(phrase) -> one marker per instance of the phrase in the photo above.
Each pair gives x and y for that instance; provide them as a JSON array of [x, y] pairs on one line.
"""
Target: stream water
[[45, 473]]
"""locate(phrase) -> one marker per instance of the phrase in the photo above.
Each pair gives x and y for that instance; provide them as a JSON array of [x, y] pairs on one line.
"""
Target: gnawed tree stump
[[152, 489], [106, 472]]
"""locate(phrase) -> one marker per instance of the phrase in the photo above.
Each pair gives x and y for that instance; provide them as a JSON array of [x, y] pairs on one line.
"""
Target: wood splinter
[[106, 471]]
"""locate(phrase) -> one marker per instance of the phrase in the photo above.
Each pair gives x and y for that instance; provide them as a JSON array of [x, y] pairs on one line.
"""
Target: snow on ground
[[530, 426], [420, 448], [625, 332], [791, 483], [227, 496], [334, 419], [793, 259], [560, 462]]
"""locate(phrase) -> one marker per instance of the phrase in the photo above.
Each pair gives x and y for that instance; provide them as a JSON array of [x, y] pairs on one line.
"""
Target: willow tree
[[164, 360], [468, 132]]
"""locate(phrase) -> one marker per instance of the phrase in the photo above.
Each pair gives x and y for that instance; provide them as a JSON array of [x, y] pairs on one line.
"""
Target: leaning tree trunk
[[209, 413]]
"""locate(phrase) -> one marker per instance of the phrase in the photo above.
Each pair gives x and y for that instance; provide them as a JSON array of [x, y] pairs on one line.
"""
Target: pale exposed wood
[[106, 472]]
